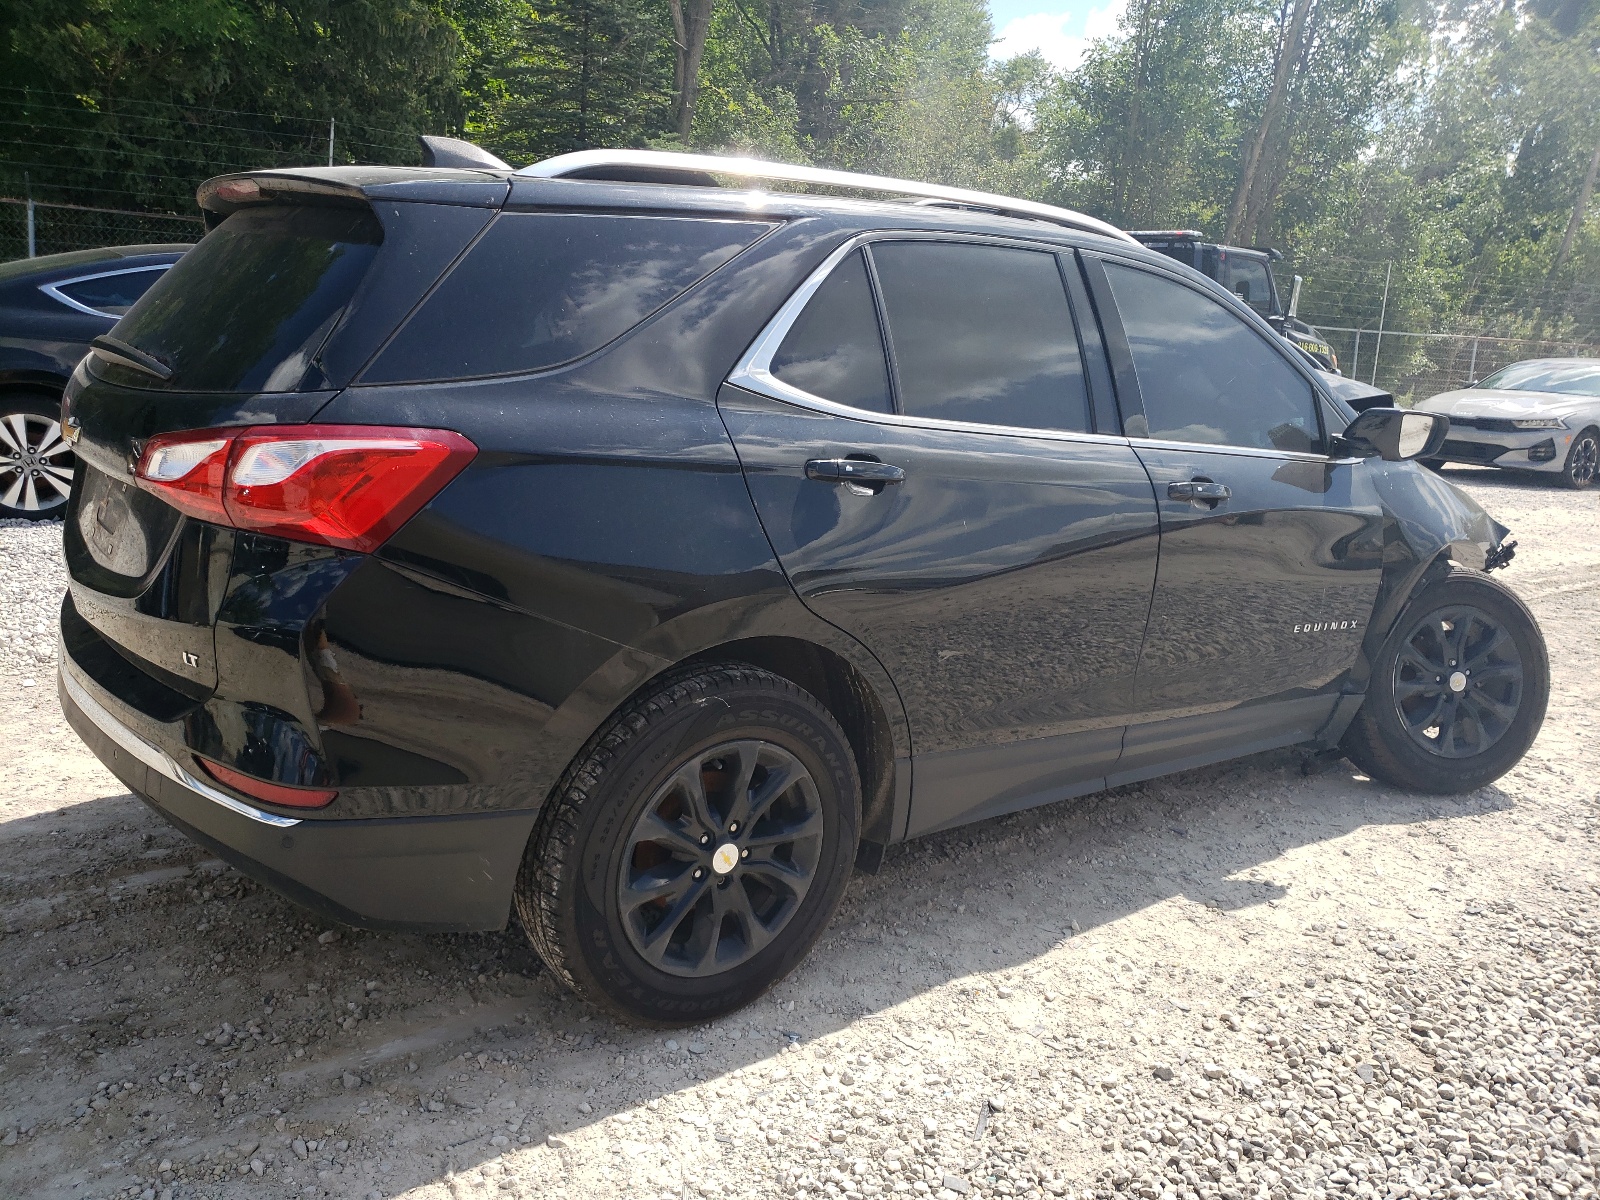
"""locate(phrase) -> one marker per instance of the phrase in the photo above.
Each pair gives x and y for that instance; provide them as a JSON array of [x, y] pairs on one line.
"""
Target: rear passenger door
[[918, 430], [1270, 549]]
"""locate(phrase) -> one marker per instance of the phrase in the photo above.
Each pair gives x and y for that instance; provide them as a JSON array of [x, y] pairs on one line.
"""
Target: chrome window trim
[[152, 756], [53, 289], [1230, 448], [754, 370]]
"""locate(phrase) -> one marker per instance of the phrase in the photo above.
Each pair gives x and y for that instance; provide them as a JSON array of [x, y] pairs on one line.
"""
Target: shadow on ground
[[125, 946]]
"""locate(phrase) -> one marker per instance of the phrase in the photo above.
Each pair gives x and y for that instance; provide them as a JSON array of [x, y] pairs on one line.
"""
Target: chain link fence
[[1415, 366], [30, 228]]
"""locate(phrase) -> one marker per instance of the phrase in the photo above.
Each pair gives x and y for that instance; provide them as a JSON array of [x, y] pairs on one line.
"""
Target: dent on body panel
[[1432, 515]]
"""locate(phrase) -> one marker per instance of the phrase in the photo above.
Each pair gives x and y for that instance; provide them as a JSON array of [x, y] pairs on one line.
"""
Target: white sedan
[[1539, 415]]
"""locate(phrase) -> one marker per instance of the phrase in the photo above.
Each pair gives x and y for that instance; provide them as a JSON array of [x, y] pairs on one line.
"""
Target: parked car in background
[[51, 307], [1542, 415], [645, 554]]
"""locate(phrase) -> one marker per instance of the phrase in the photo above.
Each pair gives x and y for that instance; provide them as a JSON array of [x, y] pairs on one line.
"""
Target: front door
[[950, 506], [1270, 549]]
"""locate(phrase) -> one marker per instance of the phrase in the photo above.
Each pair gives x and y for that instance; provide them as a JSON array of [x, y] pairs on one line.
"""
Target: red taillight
[[349, 486], [272, 793], [186, 470]]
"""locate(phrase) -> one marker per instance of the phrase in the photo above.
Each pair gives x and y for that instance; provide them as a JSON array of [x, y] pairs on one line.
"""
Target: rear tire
[[1458, 692], [695, 849], [35, 461], [1582, 467]]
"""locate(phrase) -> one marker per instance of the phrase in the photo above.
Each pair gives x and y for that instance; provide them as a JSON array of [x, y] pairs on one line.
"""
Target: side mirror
[[1397, 434]]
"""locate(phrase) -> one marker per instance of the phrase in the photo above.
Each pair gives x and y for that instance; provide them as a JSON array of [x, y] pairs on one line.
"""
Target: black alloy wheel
[[1457, 682], [1583, 460], [722, 857], [1458, 691], [696, 848], [36, 462]]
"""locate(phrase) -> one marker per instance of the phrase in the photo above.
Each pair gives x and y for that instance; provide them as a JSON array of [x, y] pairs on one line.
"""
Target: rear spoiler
[[482, 187]]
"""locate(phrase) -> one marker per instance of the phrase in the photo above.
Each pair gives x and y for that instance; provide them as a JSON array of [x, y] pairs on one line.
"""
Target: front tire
[[1458, 692], [695, 849], [1582, 467]]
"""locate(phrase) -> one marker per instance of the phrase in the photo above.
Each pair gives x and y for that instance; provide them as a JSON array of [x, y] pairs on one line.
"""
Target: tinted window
[[982, 333], [111, 294], [835, 350], [249, 307], [541, 289], [1206, 376], [1247, 279]]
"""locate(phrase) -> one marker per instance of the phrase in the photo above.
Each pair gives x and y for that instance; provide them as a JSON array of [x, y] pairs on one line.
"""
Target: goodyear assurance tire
[[695, 849], [1458, 692]]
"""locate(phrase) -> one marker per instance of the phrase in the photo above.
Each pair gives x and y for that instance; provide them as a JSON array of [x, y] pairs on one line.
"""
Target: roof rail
[[658, 166]]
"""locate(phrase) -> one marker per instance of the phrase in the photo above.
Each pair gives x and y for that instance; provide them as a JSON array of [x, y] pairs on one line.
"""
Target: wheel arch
[[855, 703]]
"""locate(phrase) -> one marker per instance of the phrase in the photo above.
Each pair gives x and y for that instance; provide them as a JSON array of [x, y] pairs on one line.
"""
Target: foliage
[[1458, 139]]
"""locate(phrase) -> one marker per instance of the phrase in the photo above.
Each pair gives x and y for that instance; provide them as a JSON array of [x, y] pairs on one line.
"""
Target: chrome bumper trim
[[157, 759]]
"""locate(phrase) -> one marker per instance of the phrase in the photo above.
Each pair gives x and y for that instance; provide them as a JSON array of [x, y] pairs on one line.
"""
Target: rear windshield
[[249, 307], [541, 289]]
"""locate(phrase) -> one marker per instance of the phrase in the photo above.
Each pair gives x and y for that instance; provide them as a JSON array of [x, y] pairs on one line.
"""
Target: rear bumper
[[443, 873]]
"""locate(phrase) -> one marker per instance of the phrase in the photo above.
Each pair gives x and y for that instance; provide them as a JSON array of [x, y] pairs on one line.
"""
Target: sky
[[1058, 29]]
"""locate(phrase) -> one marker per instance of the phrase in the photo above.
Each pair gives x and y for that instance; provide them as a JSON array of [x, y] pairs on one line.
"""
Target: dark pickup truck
[[1247, 273]]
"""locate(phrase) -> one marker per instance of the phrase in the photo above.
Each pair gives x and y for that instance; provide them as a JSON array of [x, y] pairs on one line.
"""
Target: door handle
[[1199, 491], [861, 471]]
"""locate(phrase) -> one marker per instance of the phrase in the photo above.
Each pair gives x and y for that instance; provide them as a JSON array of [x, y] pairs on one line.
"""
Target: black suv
[[644, 553]]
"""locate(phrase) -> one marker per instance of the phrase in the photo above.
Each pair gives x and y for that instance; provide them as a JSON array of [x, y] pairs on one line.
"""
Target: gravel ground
[[1240, 982]]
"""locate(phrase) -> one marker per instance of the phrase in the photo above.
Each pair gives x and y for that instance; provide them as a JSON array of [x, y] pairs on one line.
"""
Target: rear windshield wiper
[[118, 351]]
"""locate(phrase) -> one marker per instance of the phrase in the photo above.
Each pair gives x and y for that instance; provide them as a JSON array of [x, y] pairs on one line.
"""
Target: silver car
[[1539, 415]]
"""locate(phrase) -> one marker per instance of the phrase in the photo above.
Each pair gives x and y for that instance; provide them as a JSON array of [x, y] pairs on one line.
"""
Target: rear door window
[[112, 294], [1206, 376], [542, 289], [249, 307], [835, 348], [982, 334]]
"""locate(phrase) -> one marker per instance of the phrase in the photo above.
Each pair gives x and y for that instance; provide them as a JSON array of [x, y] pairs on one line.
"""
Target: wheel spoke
[[779, 780], [808, 826], [13, 493], [694, 790], [1499, 638], [655, 828], [1431, 718], [651, 887], [1501, 710], [49, 440], [655, 942], [1415, 659], [777, 874], [1406, 688], [756, 935], [14, 432]]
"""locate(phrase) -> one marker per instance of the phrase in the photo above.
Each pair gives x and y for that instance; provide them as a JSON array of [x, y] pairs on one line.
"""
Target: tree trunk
[[1580, 210], [1130, 146], [1289, 47], [691, 23]]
